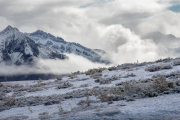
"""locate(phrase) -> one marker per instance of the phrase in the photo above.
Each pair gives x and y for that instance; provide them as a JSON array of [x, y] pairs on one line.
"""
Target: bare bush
[[76, 73], [95, 70], [86, 102], [114, 77], [178, 83], [61, 111], [58, 78], [176, 63], [1, 84], [85, 85], [65, 85], [173, 75], [119, 84], [6, 103], [16, 118], [108, 112], [9, 101], [112, 68], [2, 95], [127, 66], [87, 99], [129, 75], [19, 93], [170, 85], [96, 75], [105, 81], [107, 95], [44, 116], [160, 84], [35, 89], [131, 88], [154, 68], [165, 60]]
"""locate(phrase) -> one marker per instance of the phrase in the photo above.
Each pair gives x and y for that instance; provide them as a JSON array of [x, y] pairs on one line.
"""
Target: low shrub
[[108, 112], [76, 73], [105, 81], [16, 118], [95, 70], [35, 89], [19, 93], [65, 85], [160, 84], [128, 75], [1, 84], [176, 63], [178, 83], [114, 77], [58, 78], [112, 68], [165, 60], [44, 115], [154, 68], [96, 75]]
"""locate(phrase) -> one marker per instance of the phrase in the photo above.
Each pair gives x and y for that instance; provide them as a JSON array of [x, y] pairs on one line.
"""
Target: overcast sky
[[117, 26]]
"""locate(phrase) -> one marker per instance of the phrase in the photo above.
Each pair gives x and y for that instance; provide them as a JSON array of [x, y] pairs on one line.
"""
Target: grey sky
[[112, 25]]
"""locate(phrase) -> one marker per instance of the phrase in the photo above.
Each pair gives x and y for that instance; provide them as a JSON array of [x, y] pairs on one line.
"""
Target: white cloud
[[166, 22], [4, 23], [132, 49], [74, 64], [114, 26]]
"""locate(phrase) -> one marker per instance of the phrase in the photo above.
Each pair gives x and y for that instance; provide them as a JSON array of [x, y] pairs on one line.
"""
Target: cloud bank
[[73, 64]]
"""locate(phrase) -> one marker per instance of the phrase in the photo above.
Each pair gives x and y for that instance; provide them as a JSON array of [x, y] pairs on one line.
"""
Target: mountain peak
[[9, 29], [38, 32], [44, 35]]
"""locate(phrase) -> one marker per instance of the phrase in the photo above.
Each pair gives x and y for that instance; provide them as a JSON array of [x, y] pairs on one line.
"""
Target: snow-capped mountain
[[59, 44], [17, 48]]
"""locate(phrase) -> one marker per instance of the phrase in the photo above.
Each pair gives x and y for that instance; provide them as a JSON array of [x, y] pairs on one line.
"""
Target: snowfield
[[138, 91]]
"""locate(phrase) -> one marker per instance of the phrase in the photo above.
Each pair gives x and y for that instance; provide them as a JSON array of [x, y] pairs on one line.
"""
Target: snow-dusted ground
[[160, 107]]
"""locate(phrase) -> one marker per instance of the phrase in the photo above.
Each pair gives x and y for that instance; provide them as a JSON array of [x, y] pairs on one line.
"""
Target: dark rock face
[[19, 45], [59, 44], [5, 56], [42, 34], [26, 46], [18, 49]]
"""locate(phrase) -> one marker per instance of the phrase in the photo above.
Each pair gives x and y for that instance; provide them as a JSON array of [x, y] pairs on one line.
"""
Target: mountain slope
[[59, 44], [17, 48]]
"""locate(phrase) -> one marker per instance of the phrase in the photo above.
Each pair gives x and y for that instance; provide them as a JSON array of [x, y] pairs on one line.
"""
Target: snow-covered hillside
[[17, 48], [145, 91]]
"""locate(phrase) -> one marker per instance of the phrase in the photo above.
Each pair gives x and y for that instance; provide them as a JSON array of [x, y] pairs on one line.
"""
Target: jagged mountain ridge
[[59, 44], [17, 48]]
